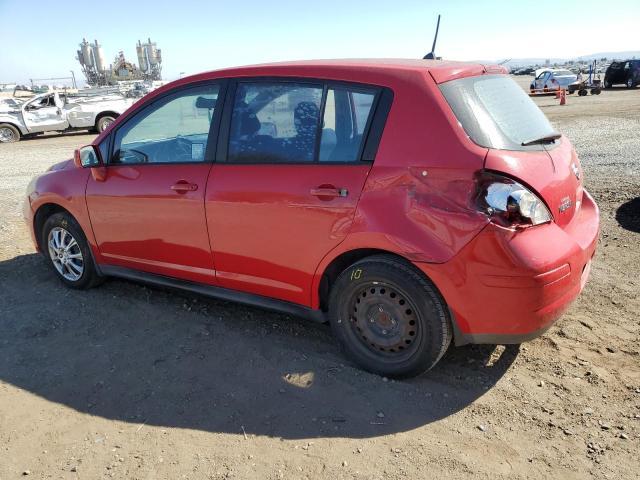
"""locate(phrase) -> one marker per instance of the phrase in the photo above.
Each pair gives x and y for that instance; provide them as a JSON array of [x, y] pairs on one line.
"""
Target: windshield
[[560, 73], [495, 112]]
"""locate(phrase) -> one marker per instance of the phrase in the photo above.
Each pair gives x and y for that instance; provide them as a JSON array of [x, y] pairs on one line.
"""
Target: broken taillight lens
[[509, 203]]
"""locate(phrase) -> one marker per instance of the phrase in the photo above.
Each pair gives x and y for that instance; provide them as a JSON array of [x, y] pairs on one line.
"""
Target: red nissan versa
[[406, 202]]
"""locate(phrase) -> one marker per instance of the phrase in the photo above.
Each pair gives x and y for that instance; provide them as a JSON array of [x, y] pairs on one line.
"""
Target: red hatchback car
[[406, 202]]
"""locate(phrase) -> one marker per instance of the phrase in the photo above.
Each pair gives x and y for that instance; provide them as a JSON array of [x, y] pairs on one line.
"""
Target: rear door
[[283, 192], [148, 213]]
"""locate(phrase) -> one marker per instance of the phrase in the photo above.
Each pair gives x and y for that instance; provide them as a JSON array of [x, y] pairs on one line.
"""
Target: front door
[[44, 114], [284, 189], [148, 213]]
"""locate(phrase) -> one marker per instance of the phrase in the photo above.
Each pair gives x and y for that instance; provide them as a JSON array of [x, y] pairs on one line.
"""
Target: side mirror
[[86, 156], [89, 157]]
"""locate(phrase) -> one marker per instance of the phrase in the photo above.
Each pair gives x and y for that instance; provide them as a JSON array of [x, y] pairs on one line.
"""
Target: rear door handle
[[329, 192], [183, 186]]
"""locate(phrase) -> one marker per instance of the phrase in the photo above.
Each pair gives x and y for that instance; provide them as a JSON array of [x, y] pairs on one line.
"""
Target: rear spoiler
[[446, 74]]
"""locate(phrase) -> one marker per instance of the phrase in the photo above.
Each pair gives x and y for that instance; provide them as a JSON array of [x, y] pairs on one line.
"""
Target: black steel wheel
[[389, 318], [384, 318]]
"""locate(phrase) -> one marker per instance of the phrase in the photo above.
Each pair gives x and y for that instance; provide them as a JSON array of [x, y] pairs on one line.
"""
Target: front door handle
[[184, 186], [329, 192]]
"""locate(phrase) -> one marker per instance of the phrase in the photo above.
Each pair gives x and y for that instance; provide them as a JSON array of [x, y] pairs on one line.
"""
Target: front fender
[[64, 188]]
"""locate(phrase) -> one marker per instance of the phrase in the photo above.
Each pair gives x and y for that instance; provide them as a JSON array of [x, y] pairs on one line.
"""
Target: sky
[[39, 39]]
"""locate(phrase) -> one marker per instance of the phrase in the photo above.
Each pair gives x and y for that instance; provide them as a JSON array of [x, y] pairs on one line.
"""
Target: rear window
[[495, 112]]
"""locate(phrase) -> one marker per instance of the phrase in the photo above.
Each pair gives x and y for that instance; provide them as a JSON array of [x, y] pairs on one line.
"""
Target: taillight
[[508, 203]]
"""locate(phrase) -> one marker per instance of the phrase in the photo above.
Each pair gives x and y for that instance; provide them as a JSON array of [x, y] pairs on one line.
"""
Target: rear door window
[[346, 118], [275, 122], [289, 122]]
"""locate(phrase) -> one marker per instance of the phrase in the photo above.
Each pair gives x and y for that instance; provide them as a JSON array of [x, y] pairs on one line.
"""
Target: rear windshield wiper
[[550, 138]]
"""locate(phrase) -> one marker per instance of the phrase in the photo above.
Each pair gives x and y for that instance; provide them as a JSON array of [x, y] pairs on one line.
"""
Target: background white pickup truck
[[53, 112]]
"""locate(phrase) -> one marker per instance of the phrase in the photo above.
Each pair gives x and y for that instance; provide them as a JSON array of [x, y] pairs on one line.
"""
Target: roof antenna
[[432, 54]]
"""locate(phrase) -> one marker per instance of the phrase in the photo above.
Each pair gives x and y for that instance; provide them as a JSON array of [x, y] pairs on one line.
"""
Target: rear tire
[[630, 83], [9, 133], [104, 122], [64, 245], [389, 318]]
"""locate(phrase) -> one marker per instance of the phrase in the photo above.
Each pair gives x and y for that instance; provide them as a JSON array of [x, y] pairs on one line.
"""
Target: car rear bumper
[[510, 286]]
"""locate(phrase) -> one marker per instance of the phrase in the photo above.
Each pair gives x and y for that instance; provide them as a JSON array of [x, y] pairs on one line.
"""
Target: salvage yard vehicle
[[406, 202], [552, 79], [53, 112], [625, 73]]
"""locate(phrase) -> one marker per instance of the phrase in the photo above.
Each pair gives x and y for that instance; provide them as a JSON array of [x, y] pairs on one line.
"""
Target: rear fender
[[15, 120]]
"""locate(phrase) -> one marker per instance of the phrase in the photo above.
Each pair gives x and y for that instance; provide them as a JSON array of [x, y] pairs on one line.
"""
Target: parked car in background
[[552, 79], [314, 188], [523, 71], [623, 73], [54, 112]]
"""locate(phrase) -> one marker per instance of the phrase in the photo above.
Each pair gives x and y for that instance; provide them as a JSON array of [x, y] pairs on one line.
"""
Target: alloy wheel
[[65, 254], [7, 135], [106, 123]]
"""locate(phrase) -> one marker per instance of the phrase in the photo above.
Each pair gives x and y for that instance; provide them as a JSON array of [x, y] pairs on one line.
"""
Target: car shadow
[[128, 352], [628, 215]]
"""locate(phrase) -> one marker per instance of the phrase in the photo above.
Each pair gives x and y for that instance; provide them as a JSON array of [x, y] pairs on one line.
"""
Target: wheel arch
[[41, 215], [340, 262], [23, 131]]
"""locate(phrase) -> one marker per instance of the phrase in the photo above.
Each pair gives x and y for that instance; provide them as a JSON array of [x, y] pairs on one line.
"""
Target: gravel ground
[[127, 381]]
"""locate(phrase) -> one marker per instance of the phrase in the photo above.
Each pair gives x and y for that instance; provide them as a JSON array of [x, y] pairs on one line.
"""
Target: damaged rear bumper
[[510, 286]]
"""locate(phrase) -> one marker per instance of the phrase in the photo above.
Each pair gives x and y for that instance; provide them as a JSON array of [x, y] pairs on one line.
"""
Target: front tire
[[389, 318], [68, 253], [630, 83], [9, 133]]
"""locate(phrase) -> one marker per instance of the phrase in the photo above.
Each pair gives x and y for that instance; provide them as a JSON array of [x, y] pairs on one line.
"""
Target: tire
[[607, 84], [58, 232], [582, 92], [630, 83], [402, 327], [103, 123], [9, 133]]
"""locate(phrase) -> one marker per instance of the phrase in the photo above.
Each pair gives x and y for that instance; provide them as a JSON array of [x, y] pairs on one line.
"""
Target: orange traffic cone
[[563, 97], [558, 92]]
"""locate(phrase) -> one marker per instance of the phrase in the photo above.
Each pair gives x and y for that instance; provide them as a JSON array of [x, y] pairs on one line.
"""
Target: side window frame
[[143, 110], [372, 133]]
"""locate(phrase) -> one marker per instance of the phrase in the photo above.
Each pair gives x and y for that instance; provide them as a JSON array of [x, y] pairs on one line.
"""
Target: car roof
[[352, 69]]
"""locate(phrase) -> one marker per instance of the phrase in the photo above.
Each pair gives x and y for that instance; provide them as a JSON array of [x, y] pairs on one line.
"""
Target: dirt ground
[[126, 381]]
